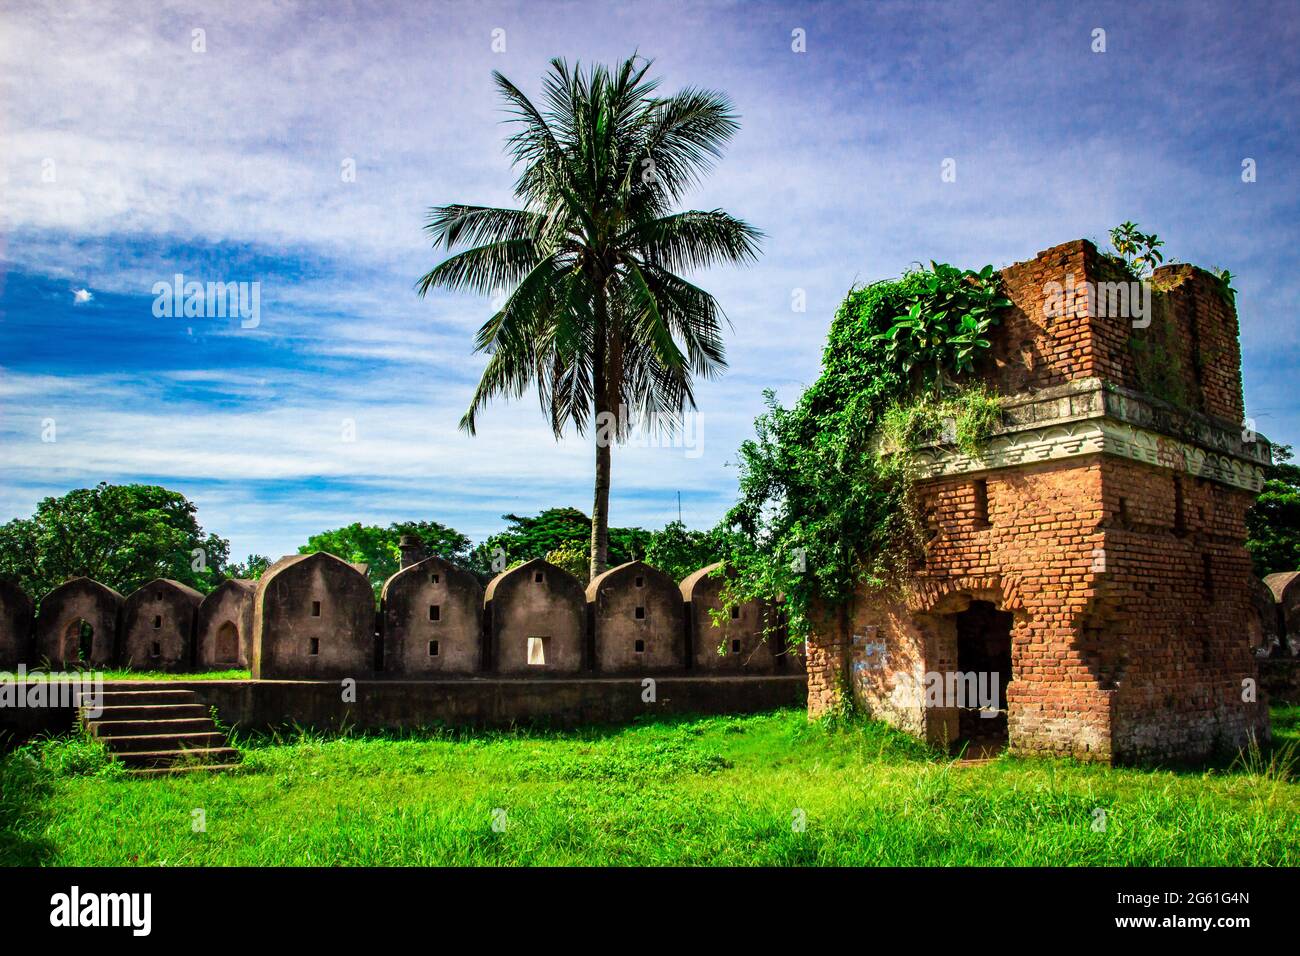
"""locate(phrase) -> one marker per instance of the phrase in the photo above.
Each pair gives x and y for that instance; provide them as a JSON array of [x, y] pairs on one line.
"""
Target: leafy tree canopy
[[554, 529], [250, 569], [379, 547], [120, 535], [680, 551], [1273, 524]]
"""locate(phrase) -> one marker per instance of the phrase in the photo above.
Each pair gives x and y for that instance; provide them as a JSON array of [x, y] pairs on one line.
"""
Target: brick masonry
[[1108, 531]]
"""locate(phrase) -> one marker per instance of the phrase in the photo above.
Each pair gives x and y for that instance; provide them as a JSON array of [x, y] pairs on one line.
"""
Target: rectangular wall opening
[[157, 621], [640, 613], [982, 502], [435, 612], [433, 648], [537, 651], [315, 647], [315, 608], [1180, 508], [640, 647]]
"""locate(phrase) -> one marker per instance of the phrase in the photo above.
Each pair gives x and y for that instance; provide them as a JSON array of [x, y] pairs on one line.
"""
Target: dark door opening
[[984, 666], [79, 641]]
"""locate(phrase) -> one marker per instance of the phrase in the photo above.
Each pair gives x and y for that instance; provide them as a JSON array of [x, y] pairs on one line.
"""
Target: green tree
[[120, 535], [574, 558], [251, 569], [600, 318], [553, 530], [379, 547], [1273, 524], [679, 551]]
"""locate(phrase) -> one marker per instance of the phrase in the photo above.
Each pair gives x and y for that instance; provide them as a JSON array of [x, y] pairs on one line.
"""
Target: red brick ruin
[[1089, 565]]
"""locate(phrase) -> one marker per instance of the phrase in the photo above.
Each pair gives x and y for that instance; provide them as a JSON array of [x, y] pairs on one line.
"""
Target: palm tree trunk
[[600, 508], [606, 433]]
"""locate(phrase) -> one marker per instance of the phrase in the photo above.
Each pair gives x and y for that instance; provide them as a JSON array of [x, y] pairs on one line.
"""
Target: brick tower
[[1086, 588]]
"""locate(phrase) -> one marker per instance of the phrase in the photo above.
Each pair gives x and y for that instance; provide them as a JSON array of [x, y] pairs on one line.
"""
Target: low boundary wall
[[249, 705]]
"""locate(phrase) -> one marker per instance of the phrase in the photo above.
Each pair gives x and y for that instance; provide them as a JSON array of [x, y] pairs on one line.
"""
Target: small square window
[[315, 646], [640, 647], [156, 650], [735, 647], [435, 612], [640, 613], [735, 613], [315, 608], [538, 577], [157, 621], [640, 581], [434, 578], [537, 651], [433, 648]]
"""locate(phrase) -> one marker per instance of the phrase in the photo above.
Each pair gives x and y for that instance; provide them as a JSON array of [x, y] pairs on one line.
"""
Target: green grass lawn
[[122, 673], [719, 790]]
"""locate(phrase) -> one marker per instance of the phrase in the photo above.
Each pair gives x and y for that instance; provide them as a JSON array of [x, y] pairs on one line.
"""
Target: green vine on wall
[[826, 499]]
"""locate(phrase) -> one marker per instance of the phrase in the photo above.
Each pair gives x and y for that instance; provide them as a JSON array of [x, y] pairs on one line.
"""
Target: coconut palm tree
[[599, 317]]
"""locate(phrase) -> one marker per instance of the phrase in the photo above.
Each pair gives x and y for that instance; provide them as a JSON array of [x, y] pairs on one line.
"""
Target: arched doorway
[[983, 673], [226, 650]]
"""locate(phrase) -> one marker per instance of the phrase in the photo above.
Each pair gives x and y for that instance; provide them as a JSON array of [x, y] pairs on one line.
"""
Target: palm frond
[[693, 240], [475, 225], [483, 269], [594, 252]]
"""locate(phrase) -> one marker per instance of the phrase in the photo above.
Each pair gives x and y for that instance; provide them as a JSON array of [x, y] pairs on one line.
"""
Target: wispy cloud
[[129, 156]]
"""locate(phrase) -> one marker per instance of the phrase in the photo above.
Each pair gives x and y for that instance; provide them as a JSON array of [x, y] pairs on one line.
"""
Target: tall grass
[[764, 789]]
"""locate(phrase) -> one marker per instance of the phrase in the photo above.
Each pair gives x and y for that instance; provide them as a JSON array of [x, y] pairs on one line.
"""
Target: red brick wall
[[1118, 652], [1189, 351], [1176, 600], [1034, 557]]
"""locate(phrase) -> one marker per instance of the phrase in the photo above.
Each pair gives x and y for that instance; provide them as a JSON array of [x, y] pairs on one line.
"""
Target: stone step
[[133, 728], [177, 741], [182, 768], [149, 712], [167, 758]]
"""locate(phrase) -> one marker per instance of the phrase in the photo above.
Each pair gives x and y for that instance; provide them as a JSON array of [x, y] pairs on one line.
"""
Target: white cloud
[[116, 130]]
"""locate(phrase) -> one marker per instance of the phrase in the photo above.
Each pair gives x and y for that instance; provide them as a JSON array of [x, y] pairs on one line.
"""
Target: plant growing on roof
[[1138, 253]]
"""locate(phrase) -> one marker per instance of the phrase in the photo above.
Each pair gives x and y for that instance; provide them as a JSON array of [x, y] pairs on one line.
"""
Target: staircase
[[160, 731]]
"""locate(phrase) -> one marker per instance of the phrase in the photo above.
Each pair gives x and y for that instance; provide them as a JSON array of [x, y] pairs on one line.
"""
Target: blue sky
[[127, 157]]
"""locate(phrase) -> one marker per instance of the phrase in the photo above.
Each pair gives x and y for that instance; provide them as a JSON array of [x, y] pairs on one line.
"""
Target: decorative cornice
[[1088, 417]]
